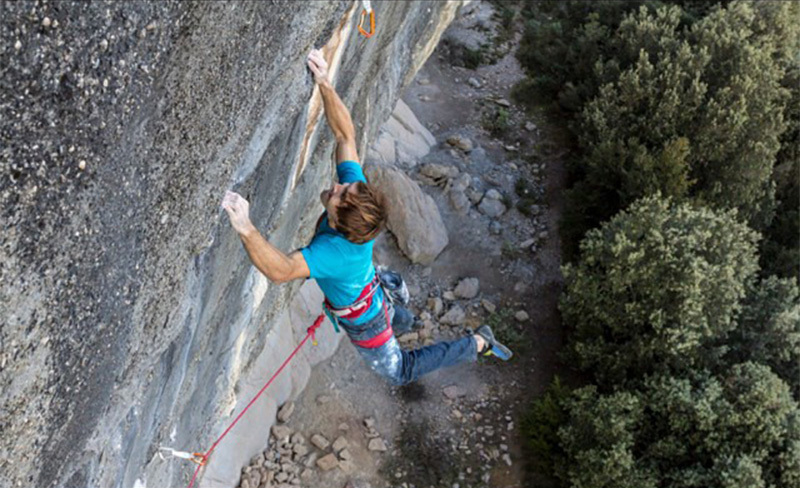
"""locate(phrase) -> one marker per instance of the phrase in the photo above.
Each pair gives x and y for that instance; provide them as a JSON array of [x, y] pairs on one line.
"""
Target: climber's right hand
[[239, 212], [318, 66]]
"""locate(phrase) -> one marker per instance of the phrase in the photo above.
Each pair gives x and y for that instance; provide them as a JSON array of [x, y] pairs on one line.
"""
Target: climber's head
[[357, 210]]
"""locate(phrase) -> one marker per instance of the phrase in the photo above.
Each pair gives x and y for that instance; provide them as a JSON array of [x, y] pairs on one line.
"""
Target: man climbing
[[339, 257]]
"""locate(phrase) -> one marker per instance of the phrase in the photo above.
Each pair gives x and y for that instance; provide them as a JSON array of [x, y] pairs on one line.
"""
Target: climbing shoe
[[492, 347]]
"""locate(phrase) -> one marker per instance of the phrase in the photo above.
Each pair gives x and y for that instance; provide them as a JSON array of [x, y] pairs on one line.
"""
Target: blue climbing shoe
[[493, 347]]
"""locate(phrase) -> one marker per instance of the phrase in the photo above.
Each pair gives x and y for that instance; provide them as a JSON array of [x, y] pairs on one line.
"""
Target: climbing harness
[[394, 291], [202, 458], [367, 10], [355, 310]]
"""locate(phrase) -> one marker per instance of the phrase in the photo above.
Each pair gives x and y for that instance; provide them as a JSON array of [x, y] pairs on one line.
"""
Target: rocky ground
[[492, 172]]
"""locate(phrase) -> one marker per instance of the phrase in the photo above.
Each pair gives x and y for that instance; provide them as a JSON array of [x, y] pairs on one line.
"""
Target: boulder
[[402, 139], [414, 218]]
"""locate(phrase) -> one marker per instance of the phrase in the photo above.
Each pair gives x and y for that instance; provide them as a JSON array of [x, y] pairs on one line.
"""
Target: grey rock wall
[[130, 315]]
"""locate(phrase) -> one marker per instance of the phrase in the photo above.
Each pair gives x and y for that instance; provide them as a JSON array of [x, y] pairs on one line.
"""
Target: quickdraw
[[367, 10]]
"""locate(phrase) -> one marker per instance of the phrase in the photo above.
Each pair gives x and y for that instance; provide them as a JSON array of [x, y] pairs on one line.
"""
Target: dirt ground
[[472, 439]]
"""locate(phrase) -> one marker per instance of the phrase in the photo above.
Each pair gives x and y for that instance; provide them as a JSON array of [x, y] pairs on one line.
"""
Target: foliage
[[497, 122], [507, 330], [780, 251], [768, 330], [598, 441], [654, 287], [540, 426], [704, 431], [472, 58], [643, 75], [528, 197]]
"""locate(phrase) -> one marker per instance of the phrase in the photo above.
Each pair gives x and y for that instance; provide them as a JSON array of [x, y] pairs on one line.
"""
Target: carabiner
[[198, 458], [367, 10]]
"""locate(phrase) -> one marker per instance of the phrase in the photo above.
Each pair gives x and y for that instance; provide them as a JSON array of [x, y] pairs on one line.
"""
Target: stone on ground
[[521, 316], [286, 411], [377, 445], [413, 218], [454, 316], [461, 142], [467, 288], [339, 444], [327, 462], [320, 441], [491, 206], [281, 432], [454, 391]]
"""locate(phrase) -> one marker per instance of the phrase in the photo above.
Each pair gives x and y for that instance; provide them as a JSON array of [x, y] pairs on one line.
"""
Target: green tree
[[701, 430], [768, 331], [654, 287], [717, 84], [598, 440]]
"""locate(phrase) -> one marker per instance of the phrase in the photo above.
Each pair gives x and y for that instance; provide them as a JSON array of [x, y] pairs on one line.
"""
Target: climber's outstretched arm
[[337, 114], [273, 263]]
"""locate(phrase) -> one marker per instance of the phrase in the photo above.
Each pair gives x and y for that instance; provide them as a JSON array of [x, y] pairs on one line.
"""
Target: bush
[[540, 427], [497, 122], [654, 288]]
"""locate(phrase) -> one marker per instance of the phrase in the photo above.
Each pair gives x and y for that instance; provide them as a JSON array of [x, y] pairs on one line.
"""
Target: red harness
[[361, 305]]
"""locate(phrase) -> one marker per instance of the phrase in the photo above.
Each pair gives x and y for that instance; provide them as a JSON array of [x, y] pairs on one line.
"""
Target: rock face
[[414, 218], [132, 317]]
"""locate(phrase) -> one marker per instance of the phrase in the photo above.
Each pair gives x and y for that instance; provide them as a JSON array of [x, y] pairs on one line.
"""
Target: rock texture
[[414, 218], [131, 316]]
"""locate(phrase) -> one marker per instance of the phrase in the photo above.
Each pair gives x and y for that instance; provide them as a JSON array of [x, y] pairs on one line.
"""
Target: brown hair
[[361, 214]]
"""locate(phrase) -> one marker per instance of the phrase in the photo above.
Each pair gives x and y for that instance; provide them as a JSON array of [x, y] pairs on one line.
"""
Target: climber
[[339, 258]]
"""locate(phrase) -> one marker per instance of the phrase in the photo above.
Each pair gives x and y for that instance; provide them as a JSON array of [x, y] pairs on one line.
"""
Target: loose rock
[[286, 411], [491, 207], [454, 391], [281, 432], [454, 316], [320, 441], [377, 445], [327, 463], [467, 288], [461, 142], [521, 316]]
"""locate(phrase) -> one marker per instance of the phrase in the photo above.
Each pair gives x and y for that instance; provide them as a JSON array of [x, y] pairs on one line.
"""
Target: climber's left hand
[[318, 66], [239, 212]]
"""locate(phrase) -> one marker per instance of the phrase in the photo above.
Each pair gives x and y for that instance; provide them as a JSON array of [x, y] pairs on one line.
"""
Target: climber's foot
[[491, 346]]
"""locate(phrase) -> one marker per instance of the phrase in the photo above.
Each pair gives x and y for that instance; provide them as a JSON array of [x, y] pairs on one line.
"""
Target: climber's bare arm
[[268, 259], [337, 114]]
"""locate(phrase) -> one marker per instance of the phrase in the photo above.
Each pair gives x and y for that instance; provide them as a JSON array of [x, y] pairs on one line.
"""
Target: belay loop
[[367, 10]]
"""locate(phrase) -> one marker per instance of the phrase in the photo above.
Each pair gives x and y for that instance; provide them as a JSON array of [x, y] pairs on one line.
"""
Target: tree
[[717, 84], [654, 287], [598, 440], [768, 330], [700, 430]]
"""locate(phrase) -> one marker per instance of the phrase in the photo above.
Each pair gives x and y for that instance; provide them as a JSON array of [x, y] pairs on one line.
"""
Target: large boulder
[[414, 218], [402, 140]]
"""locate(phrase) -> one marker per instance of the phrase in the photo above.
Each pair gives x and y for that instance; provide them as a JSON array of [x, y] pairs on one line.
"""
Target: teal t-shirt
[[342, 268]]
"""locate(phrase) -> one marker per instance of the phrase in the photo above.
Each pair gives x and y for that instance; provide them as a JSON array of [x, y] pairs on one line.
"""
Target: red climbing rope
[[201, 459]]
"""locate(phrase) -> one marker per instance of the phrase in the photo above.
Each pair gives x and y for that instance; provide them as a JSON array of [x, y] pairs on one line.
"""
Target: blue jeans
[[400, 366]]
